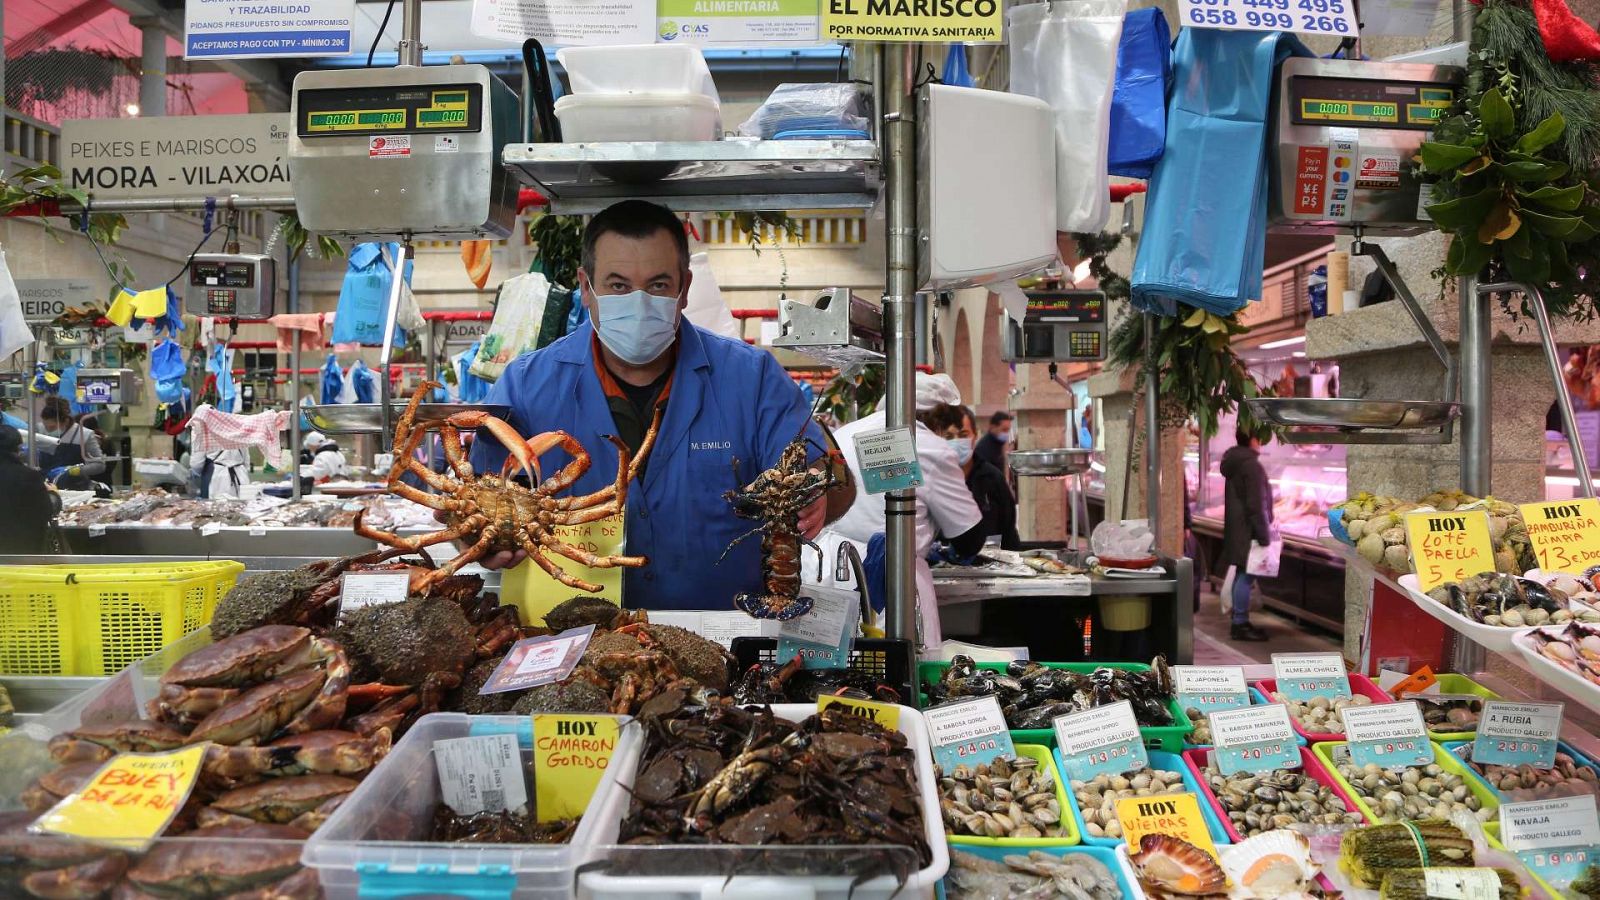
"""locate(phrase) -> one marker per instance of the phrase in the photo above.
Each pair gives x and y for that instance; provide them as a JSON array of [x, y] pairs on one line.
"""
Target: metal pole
[[411, 34], [1477, 443], [179, 204], [398, 270], [899, 166], [294, 386], [152, 66], [1152, 431]]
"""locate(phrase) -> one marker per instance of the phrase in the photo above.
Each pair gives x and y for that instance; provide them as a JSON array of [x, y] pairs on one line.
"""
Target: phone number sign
[[1337, 17]]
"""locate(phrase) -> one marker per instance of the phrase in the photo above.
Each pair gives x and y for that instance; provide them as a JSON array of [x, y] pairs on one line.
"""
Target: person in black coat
[[24, 529], [1246, 519]]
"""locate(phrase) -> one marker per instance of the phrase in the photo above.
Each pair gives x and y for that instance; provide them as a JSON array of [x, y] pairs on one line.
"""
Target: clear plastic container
[[371, 846], [828, 868], [587, 118], [647, 69]]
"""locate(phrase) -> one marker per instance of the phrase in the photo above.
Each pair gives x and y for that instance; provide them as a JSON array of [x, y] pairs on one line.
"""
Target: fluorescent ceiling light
[[1286, 342]]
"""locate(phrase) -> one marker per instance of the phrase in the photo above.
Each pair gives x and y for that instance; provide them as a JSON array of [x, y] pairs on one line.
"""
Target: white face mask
[[963, 448], [1004, 436], [637, 327]]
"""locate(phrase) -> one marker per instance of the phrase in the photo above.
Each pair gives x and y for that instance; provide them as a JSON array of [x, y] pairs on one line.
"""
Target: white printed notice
[[1337, 17], [361, 589], [1542, 824], [479, 774], [569, 22], [222, 29], [744, 23]]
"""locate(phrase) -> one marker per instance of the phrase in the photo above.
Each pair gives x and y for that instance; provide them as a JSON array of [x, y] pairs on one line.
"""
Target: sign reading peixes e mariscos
[[177, 156]]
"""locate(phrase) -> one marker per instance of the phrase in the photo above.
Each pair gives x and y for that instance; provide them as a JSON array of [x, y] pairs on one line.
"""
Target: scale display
[[437, 109], [1367, 102], [1058, 326], [230, 285], [1087, 306]]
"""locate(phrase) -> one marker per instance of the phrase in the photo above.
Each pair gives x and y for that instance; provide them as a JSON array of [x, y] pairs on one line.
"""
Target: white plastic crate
[[588, 118], [597, 885], [646, 68], [371, 846]]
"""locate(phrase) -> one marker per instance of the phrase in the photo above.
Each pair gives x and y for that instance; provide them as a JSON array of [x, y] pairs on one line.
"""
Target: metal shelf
[[701, 176]]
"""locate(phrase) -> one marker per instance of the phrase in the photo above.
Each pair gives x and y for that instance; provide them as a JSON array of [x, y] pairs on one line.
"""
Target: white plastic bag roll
[[1065, 53], [706, 307]]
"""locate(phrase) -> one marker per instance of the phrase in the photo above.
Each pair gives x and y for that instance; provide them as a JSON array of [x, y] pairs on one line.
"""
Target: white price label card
[[1461, 884], [969, 731], [1390, 735], [1516, 734], [1332, 17], [258, 531], [360, 589], [97, 530], [478, 774], [1254, 739], [538, 660], [1104, 740], [1209, 679], [888, 460], [210, 528], [1543, 824], [1304, 676]]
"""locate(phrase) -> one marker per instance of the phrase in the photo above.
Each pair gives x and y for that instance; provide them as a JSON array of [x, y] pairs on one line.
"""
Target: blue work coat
[[731, 411]]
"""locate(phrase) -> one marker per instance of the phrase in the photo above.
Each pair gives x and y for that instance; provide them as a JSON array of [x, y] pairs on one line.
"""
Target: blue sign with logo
[[1516, 734]]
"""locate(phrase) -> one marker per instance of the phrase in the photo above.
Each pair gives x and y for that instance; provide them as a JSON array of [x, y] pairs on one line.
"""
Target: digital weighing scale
[[230, 285], [1345, 134], [1058, 326], [403, 153]]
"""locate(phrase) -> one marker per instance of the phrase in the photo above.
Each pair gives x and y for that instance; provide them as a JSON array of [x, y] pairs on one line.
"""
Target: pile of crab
[[629, 660], [715, 772]]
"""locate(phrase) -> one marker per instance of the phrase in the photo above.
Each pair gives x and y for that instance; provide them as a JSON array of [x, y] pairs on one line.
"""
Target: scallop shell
[[1272, 864], [1177, 866]]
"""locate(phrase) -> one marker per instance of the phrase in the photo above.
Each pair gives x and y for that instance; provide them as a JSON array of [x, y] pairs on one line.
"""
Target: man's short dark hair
[[1243, 437], [634, 219], [1000, 417]]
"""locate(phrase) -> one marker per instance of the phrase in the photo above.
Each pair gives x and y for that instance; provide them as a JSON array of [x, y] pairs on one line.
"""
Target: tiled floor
[[1213, 648]]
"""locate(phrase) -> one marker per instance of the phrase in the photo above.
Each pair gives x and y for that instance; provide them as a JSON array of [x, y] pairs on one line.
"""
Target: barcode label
[[493, 801], [478, 774]]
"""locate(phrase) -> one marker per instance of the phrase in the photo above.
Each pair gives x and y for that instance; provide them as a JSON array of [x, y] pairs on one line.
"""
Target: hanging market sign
[[744, 23], [177, 156], [925, 21], [46, 299], [231, 29], [1565, 534], [1335, 17]]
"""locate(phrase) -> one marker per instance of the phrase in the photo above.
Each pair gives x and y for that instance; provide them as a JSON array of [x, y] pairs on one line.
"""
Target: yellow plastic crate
[[98, 619]]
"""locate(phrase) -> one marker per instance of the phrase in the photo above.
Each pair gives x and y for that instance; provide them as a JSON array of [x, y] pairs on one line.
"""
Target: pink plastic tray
[[1359, 684], [1197, 760]]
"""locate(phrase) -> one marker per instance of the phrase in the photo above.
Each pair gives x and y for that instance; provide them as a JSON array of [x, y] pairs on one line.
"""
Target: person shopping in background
[[992, 446], [325, 459], [1086, 427], [985, 481], [77, 459], [29, 506], [1247, 519]]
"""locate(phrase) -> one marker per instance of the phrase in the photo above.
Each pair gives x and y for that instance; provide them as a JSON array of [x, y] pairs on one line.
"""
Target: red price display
[[1516, 747], [972, 747], [1398, 746], [1101, 756], [1260, 751]]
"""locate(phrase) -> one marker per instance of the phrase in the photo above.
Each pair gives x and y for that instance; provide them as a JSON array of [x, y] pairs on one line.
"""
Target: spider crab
[[493, 512]]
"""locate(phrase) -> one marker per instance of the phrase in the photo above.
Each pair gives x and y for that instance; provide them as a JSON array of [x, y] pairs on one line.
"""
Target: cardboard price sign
[[129, 802], [1306, 676], [570, 756], [1449, 546], [1565, 534], [1177, 815], [1210, 688], [971, 730], [885, 714], [1254, 739]]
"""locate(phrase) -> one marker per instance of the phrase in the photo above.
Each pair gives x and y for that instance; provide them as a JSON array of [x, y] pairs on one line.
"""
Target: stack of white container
[[654, 92]]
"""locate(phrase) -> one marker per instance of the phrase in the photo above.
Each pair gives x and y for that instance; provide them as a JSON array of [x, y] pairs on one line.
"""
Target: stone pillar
[[1122, 429], [152, 66], [1041, 407], [1381, 355]]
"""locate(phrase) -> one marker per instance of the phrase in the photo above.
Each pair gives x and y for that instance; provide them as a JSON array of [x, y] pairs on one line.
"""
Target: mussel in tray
[[1032, 694], [1511, 601]]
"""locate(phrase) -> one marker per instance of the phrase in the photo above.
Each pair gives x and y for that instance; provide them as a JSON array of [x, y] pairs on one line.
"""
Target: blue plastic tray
[[1159, 759]]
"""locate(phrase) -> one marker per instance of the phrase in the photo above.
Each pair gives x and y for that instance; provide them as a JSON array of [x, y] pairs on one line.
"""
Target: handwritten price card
[[1254, 739], [1104, 740], [1306, 676], [1336, 17], [129, 802], [1565, 534], [968, 732], [1449, 546], [1177, 815], [1210, 688], [1515, 734], [1391, 735], [570, 756]]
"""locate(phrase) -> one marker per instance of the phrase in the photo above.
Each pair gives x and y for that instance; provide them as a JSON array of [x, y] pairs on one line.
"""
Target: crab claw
[[506, 435]]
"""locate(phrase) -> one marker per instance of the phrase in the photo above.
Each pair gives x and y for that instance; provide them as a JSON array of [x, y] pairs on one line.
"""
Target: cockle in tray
[[493, 512]]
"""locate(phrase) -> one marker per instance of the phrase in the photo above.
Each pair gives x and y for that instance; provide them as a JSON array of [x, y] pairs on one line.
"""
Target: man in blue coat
[[728, 411]]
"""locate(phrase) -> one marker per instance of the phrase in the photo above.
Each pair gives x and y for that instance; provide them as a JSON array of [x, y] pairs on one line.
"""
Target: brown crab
[[283, 801], [49, 866], [98, 743], [253, 856], [301, 683], [494, 513]]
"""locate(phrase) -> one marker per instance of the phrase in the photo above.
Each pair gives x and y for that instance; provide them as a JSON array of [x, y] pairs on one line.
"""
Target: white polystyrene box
[[987, 179]]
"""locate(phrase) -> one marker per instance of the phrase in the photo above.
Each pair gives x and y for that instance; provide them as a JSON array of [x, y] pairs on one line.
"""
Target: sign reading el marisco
[[927, 21], [177, 156]]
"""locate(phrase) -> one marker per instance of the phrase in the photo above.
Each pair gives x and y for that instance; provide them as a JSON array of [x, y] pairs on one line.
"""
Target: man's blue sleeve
[[780, 411]]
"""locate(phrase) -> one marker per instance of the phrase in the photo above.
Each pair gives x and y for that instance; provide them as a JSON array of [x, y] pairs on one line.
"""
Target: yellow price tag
[[534, 592], [885, 714], [1565, 534], [1176, 815], [570, 755], [1449, 546], [129, 802]]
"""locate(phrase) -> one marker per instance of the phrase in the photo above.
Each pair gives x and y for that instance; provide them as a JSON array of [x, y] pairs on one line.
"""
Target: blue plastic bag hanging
[[167, 369], [1204, 237], [68, 388], [956, 73], [1139, 97], [365, 382], [578, 315], [332, 380], [364, 296], [219, 362], [472, 388]]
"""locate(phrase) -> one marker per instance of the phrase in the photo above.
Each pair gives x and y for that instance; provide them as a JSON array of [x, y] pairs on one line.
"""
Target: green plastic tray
[[1441, 757], [1165, 737], [1458, 684], [1048, 765]]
